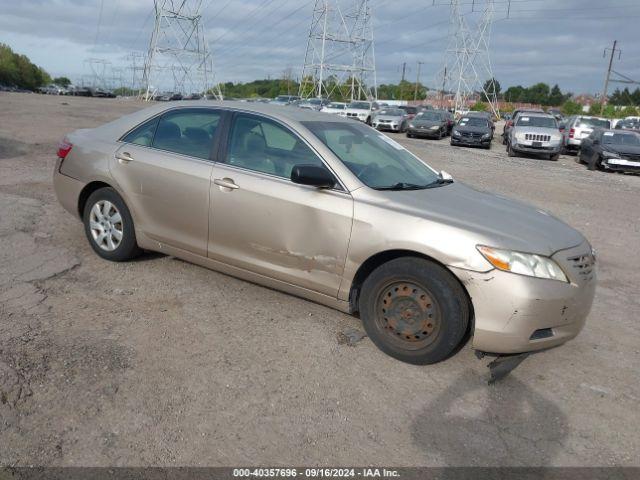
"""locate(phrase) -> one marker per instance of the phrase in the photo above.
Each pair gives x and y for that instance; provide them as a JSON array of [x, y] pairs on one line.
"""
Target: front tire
[[414, 310], [109, 226]]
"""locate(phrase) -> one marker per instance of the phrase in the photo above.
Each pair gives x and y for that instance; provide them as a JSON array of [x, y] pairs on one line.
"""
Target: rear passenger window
[[188, 132], [142, 135]]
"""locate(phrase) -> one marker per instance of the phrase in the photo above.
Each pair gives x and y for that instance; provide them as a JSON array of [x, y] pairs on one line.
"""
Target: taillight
[[572, 132], [64, 147]]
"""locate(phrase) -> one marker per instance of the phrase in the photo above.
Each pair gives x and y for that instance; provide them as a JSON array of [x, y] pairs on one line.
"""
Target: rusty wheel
[[414, 310], [408, 314]]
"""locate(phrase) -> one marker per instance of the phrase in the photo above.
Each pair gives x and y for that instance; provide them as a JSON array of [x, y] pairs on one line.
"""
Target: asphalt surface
[[160, 362]]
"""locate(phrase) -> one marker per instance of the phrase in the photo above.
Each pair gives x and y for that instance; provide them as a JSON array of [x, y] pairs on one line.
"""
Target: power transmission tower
[[136, 61], [340, 59], [178, 50], [467, 60], [99, 69]]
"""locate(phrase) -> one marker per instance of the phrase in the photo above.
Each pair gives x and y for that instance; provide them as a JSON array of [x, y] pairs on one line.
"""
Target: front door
[[164, 168], [263, 222]]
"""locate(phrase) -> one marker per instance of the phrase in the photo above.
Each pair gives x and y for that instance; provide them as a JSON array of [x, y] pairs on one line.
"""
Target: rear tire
[[414, 310], [109, 226]]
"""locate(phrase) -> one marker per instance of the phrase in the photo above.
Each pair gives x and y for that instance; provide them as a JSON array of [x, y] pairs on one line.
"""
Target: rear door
[[263, 222], [164, 168]]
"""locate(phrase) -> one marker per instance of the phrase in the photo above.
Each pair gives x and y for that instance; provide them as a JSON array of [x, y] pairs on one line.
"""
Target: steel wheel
[[105, 224], [409, 316]]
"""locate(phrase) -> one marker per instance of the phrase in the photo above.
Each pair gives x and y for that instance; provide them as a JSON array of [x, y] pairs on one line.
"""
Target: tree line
[[17, 70]]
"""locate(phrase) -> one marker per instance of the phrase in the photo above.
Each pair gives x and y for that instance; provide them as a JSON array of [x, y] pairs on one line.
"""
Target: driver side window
[[264, 146]]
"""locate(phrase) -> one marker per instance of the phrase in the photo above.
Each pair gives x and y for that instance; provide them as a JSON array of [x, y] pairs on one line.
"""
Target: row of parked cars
[[594, 140], [77, 91]]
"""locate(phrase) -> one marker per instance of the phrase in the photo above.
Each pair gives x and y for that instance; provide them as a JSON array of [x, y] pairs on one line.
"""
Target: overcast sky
[[552, 41]]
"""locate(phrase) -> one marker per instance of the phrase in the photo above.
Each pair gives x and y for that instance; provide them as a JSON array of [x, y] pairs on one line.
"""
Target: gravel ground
[[162, 362]]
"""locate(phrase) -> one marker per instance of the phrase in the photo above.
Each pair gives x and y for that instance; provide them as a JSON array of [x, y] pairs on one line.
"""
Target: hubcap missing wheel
[[407, 313]]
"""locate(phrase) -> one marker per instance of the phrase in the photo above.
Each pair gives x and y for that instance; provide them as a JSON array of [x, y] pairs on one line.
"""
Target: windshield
[[544, 122], [360, 105], [473, 122], [593, 122], [410, 110], [436, 117], [392, 112], [374, 158], [610, 138], [340, 106]]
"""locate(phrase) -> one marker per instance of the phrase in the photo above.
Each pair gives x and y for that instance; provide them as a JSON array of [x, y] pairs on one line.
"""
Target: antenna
[[339, 59], [179, 54]]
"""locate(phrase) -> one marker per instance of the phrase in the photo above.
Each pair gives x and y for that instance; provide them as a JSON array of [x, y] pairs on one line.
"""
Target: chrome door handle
[[124, 157], [226, 183]]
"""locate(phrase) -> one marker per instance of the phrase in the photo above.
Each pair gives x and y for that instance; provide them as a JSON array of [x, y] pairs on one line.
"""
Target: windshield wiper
[[403, 186]]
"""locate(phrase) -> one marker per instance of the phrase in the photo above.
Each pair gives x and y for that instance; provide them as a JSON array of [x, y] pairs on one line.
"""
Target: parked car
[[362, 111], [615, 150], [52, 89], [314, 103], [410, 110], [330, 210], [390, 119], [579, 127], [430, 123], [472, 131], [337, 108], [486, 115], [509, 122], [628, 124], [284, 99], [535, 133]]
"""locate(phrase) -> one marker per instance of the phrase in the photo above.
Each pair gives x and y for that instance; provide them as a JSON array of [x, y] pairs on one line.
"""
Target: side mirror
[[446, 177], [312, 175]]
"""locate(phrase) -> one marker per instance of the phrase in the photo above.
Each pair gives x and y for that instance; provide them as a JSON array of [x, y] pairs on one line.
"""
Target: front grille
[[634, 157], [541, 333], [584, 265], [384, 121], [471, 134], [352, 114], [537, 137]]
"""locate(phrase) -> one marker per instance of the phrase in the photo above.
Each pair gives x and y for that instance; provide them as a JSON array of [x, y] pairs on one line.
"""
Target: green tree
[[18, 70], [571, 108], [556, 97], [492, 88], [64, 82], [479, 107]]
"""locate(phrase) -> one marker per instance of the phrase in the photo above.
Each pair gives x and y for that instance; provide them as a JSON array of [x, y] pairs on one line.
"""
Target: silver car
[[333, 211], [535, 133], [390, 119], [579, 127]]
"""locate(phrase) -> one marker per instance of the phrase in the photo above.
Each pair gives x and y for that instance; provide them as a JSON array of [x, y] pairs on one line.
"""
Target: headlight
[[523, 263], [607, 154], [486, 136], [456, 133], [435, 127], [411, 125]]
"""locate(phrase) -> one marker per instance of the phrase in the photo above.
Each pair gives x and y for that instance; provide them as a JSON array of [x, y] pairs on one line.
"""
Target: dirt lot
[[163, 362]]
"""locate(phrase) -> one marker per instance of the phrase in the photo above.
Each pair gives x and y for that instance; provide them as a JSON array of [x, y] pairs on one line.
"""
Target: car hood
[[622, 149], [472, 129], [357, 110], [490, 219], [427, 123], [393, 118]]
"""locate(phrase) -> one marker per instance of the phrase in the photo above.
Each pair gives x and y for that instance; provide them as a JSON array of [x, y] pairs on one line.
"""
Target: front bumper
[[470, 142], [386, 127], [621, 165], [516, 314], [423, 132], [549, 149]]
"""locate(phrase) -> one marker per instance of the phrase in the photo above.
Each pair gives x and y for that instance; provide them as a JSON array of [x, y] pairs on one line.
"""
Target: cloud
[[543, 40]]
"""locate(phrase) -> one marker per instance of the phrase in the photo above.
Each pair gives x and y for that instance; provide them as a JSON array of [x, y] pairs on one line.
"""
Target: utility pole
[[608, 76], [404, 70], [415, 93]]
